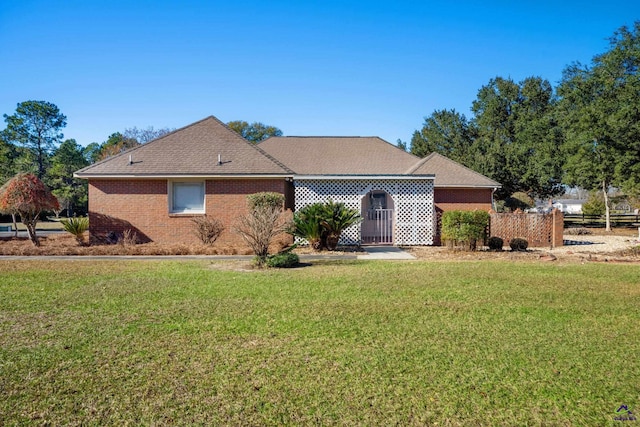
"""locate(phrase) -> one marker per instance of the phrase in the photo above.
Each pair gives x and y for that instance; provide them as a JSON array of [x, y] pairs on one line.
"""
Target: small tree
[[595, 204], [263, 223], [27, 196]]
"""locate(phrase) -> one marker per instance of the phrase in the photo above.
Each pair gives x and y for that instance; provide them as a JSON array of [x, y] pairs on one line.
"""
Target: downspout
[[493, 202]]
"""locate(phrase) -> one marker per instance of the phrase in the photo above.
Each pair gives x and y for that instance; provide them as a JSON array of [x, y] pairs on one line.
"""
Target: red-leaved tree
[[27, 196]]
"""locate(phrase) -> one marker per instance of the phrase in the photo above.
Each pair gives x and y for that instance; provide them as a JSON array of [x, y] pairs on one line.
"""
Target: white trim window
[[186, 197]]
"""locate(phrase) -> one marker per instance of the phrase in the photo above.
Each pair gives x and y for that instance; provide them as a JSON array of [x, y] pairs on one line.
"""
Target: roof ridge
[[434, 154], [419, 163], [273, 159], [255, 147], [130, 150]]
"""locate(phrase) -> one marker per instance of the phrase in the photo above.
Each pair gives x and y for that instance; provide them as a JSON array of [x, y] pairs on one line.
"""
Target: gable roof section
[[331, 155], [450, 173], [190, 151]]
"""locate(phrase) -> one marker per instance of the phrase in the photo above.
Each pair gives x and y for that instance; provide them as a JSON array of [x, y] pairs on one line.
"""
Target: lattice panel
[[539, 230], [412, 200]]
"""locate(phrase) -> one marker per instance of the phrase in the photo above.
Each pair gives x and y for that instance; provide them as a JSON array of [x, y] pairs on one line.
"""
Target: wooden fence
[[617, 220], [540, 230]]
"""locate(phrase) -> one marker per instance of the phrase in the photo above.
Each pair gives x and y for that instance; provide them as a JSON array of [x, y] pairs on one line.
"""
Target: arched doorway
[[378, 215]]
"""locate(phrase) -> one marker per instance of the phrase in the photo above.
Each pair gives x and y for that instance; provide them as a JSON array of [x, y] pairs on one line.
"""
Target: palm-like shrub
[[321, 224], [307, 224], [76, 226], [337, 217]]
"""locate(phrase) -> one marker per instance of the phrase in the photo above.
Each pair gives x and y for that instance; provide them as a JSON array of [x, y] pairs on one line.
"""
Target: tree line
[[529, 136], [537, 139]]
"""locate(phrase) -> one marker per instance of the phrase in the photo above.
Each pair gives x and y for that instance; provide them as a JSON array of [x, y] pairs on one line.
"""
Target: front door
[[377, 224]]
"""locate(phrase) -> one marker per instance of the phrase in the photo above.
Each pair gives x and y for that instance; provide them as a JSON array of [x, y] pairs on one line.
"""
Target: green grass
[[42, 225], [352, 343]]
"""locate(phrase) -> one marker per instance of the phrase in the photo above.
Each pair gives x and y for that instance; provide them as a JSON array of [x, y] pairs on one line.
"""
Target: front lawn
[[350, 343]]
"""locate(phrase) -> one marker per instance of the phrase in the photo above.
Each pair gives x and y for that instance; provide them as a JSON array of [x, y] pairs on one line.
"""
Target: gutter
[[200, 176]]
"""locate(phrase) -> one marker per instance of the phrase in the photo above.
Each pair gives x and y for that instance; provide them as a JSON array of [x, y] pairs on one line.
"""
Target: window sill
[[186, 214]]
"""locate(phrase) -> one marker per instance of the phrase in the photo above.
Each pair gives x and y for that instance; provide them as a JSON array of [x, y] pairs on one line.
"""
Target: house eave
[[495, 186], [336, 177], [186, 175]]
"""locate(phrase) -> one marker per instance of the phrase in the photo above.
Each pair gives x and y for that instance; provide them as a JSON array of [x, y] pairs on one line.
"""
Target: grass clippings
[[348, 343]]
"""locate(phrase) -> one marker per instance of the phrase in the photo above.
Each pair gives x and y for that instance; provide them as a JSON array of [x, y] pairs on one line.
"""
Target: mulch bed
[[65, 244]]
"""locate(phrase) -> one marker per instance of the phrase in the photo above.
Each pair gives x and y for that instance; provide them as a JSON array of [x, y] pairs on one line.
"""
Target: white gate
[[377, 227]]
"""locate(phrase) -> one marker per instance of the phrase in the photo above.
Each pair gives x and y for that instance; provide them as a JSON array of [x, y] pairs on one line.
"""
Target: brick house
[[206, 168]]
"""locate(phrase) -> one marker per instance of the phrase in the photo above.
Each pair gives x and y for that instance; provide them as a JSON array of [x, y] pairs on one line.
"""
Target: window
[[378, 200], [187, 197]]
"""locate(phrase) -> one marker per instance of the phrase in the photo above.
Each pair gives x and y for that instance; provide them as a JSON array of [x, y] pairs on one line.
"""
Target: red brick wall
[[142, 206], [463, 199]]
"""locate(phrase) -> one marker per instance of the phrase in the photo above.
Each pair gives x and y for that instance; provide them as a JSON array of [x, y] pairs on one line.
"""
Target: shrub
[[518, 244], [321, 224], [336, 218], [263, 223], [265, 198], [495, 243], [283, 260], [129, 238], [307, 224], [577, 231], [464, 228], [207, 229], [76, 226]]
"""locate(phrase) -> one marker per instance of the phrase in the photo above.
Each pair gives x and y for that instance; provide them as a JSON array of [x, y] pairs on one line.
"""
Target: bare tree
[[260, 226]]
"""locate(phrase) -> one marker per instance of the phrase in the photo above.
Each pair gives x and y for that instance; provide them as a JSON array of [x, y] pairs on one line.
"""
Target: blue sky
[[309, 67]]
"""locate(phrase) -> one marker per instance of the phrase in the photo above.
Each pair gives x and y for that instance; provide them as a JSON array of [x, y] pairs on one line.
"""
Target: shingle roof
[[449, 173], [192, 150], [330, 155]]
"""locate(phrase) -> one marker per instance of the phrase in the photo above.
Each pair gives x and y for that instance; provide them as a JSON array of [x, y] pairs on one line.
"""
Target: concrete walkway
[[385, 252]]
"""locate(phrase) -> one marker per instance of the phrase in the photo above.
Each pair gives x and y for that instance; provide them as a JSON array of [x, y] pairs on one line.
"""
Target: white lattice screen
[[412, 200]]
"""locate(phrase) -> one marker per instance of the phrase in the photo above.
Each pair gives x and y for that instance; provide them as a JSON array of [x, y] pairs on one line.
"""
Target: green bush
[[495, 243], [321, 224], [282, 260], [264, 199], [76, 226], [336, 218], [463, 229], [307, 224], [518, 244]]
